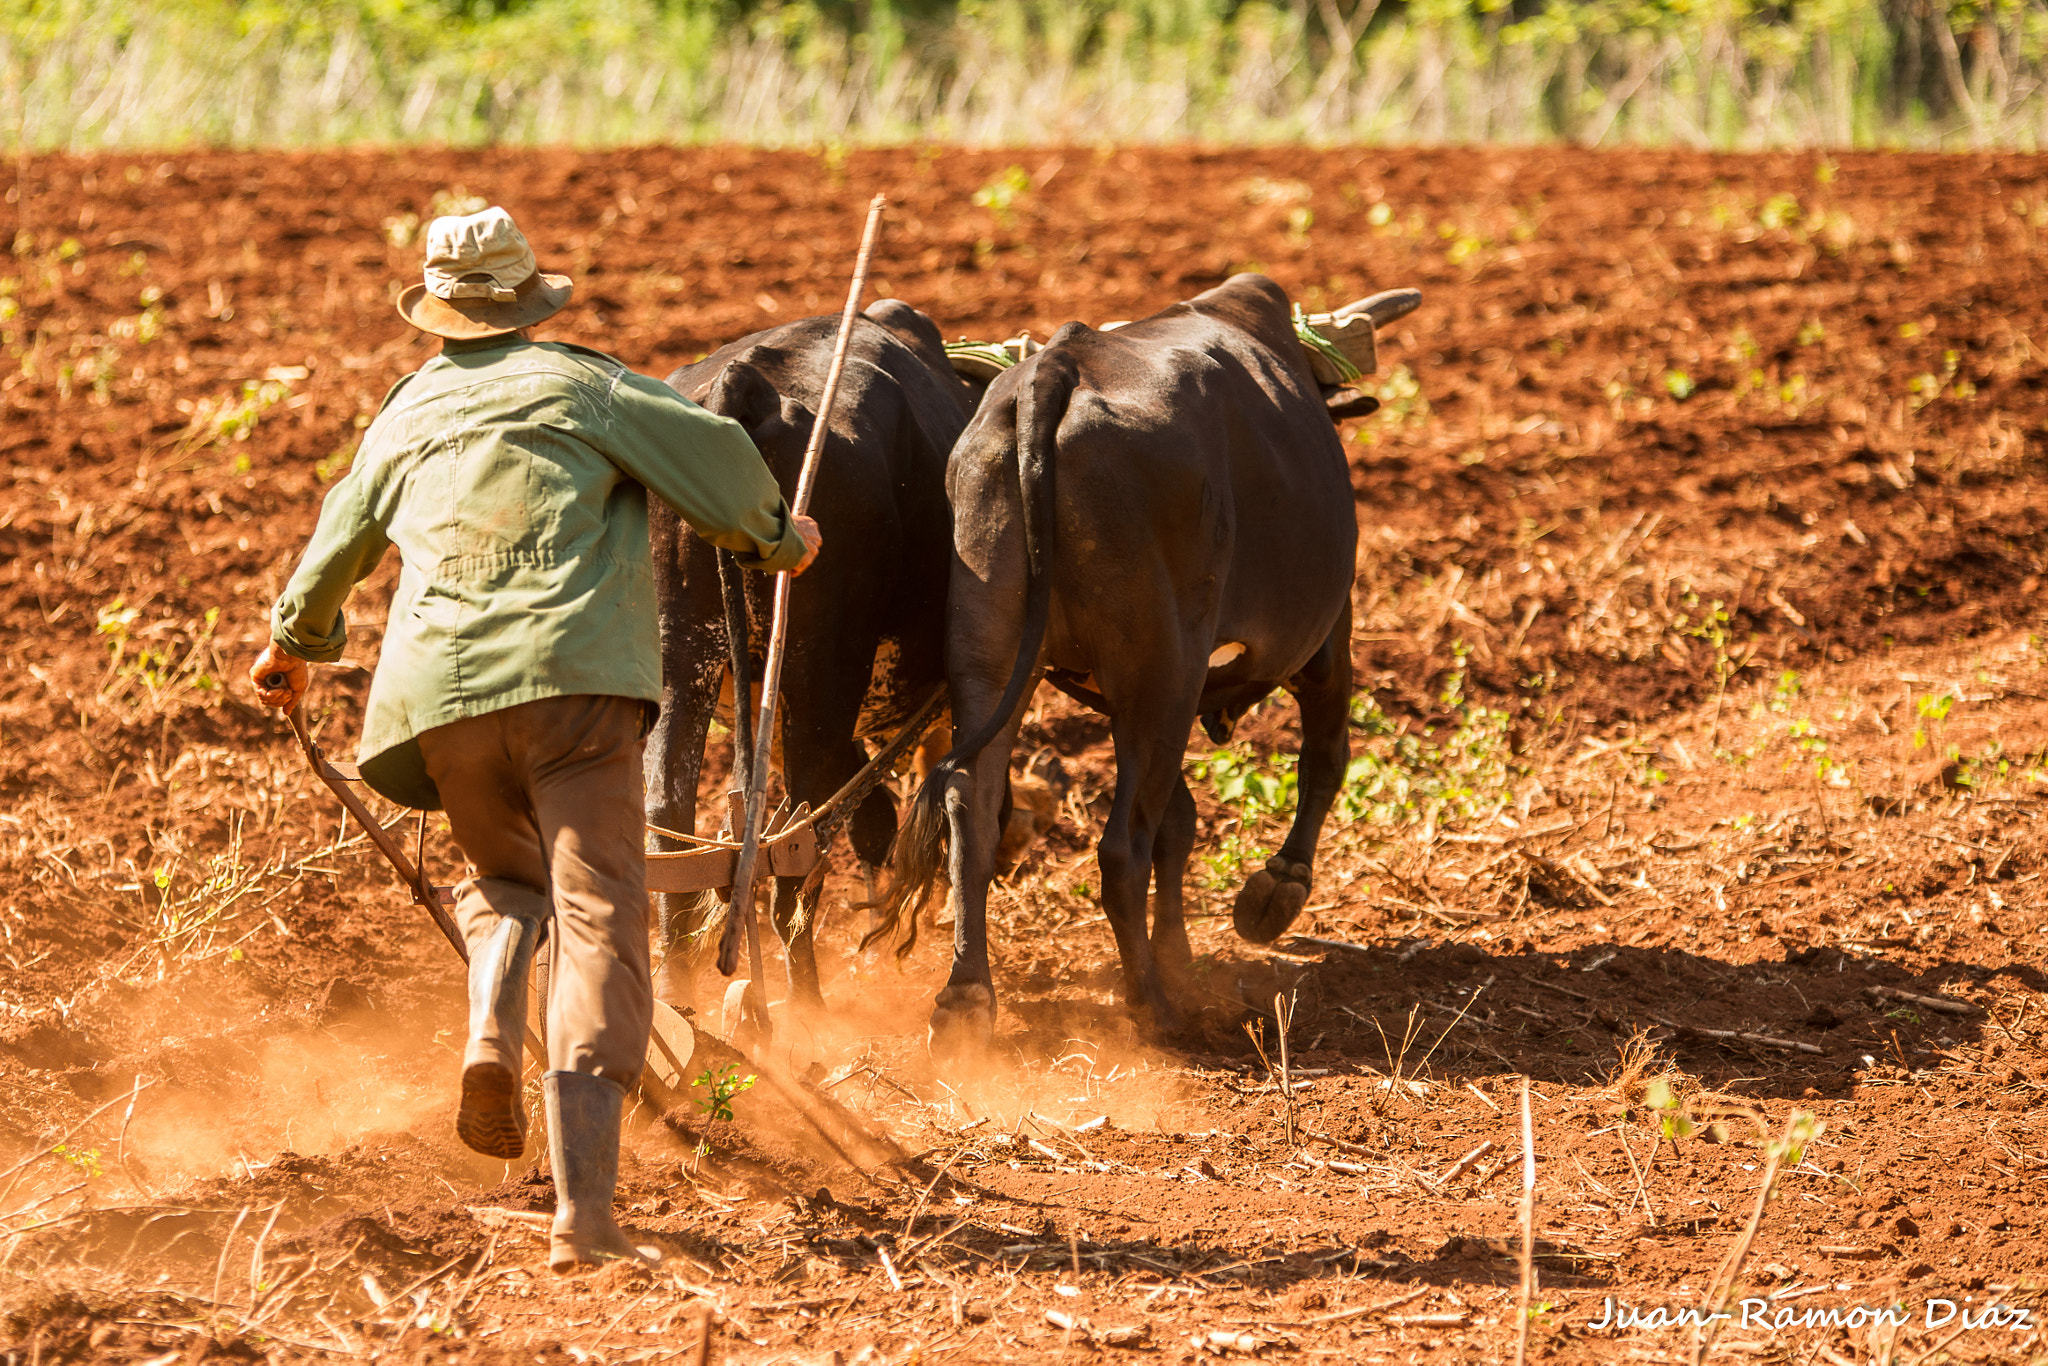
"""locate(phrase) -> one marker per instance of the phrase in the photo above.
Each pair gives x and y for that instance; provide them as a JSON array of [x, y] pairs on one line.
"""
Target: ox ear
[[913, 328], [906, 322], [1349, 403], [744, 394]]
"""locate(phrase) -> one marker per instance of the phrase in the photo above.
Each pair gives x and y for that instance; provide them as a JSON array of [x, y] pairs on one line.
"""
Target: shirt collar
[[454, 346]]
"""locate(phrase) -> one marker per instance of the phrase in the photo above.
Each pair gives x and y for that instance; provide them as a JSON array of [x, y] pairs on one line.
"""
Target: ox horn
[[1384, 307]]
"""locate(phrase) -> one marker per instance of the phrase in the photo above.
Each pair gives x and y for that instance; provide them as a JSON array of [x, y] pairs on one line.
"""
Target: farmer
[[519, 669]]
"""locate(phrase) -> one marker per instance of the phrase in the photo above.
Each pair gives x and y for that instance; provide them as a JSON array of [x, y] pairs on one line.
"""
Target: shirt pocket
[[437, 610]]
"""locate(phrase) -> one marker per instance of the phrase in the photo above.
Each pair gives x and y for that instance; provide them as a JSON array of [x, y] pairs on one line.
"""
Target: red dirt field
[[1701, 780]]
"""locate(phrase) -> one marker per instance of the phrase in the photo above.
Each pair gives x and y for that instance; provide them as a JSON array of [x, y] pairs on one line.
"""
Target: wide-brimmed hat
[[481, 280]]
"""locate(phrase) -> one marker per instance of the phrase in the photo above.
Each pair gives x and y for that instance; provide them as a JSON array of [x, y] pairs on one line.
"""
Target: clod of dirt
[[340, 1000], [618, 1278], [48, 1304]]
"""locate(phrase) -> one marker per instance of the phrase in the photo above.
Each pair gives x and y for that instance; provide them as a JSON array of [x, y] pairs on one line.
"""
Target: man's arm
[[307, 624], [707, 469]]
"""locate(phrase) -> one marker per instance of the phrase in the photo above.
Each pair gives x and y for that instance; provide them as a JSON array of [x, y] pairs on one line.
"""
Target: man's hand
[[280, 679], [813, 538]]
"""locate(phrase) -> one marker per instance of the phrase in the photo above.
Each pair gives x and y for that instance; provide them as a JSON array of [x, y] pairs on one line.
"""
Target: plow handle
[[411, 876]]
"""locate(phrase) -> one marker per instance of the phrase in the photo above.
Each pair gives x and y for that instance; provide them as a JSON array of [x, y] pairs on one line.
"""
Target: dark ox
[[866, 621], [1126, 506]]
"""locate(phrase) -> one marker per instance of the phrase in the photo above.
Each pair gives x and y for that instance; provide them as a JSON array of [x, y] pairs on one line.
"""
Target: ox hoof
[[675, 984], [1162, 1022], [963, 1024], [743, 1017], [1176, 960], [1269, 901]]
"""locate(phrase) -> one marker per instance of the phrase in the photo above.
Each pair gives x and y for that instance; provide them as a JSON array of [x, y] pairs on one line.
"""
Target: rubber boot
[[583, 1134], [492, 1119]]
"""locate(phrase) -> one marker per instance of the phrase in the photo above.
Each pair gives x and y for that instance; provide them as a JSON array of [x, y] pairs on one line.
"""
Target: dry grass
[[1017, 71]]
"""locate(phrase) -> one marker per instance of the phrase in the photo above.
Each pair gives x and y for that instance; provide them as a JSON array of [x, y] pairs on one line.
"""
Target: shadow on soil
[[1800, 1026]]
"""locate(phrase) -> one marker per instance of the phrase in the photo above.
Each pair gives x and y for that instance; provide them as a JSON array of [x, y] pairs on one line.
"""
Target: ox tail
[[916, 858]]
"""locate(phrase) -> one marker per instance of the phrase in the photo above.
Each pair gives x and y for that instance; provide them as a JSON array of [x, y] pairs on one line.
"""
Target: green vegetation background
[[1709, 73]]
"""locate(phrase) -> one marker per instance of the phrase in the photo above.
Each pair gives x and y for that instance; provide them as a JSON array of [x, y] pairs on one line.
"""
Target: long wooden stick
[[771, 676], [408, 872], [1527, 1293], [412, 874]]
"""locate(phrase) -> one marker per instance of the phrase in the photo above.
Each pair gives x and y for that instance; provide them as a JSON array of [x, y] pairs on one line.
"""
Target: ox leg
[[816, 768], [1273, 896], [869, 832], [964, 1016], [1171, 846], [795, 917], [1147, 779], [675, 757]]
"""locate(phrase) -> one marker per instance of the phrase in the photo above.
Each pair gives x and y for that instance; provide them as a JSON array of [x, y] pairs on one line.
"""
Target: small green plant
[[1678, 384], [1787, 692], [1675, 1118], [190, 913], [1000, 195], [403, 229], [86, 1160], [456, 202], [1401, 400], [158, 668], [1810, 332], [1459, 776], [231, 416], [1801, 1132], [1462, 774], [1933, 709], [1715, 629], [1779, 211], [1464, 246], [723, 1084], [147, 325], [337, 464], [1257, 789], [1925, 388], [1807, 739]]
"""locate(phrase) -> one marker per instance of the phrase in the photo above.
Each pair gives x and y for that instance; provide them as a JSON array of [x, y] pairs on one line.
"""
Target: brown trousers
[[546, 801]]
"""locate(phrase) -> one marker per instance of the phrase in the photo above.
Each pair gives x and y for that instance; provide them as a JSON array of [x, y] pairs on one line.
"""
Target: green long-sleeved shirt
[[513, 477]]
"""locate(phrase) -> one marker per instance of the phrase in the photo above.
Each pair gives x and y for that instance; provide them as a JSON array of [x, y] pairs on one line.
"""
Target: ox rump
[[1124, 503], [865, 622]]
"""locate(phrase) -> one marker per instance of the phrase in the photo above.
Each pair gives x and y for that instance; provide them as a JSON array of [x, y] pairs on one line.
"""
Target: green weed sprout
[[86, 1160], [1001, 194], [723, 1084]]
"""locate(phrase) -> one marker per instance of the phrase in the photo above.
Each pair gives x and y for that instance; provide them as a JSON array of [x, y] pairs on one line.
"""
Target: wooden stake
[[1528, 1290], [1730, 1270], [702, 1356], [1283, 1012], [422, 891], [754, 1005]]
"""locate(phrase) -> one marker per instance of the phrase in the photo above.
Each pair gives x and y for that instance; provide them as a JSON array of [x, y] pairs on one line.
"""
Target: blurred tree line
[[1723, 73]]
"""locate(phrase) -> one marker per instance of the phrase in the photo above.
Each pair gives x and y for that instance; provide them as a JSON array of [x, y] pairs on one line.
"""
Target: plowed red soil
[[1701, 785]]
